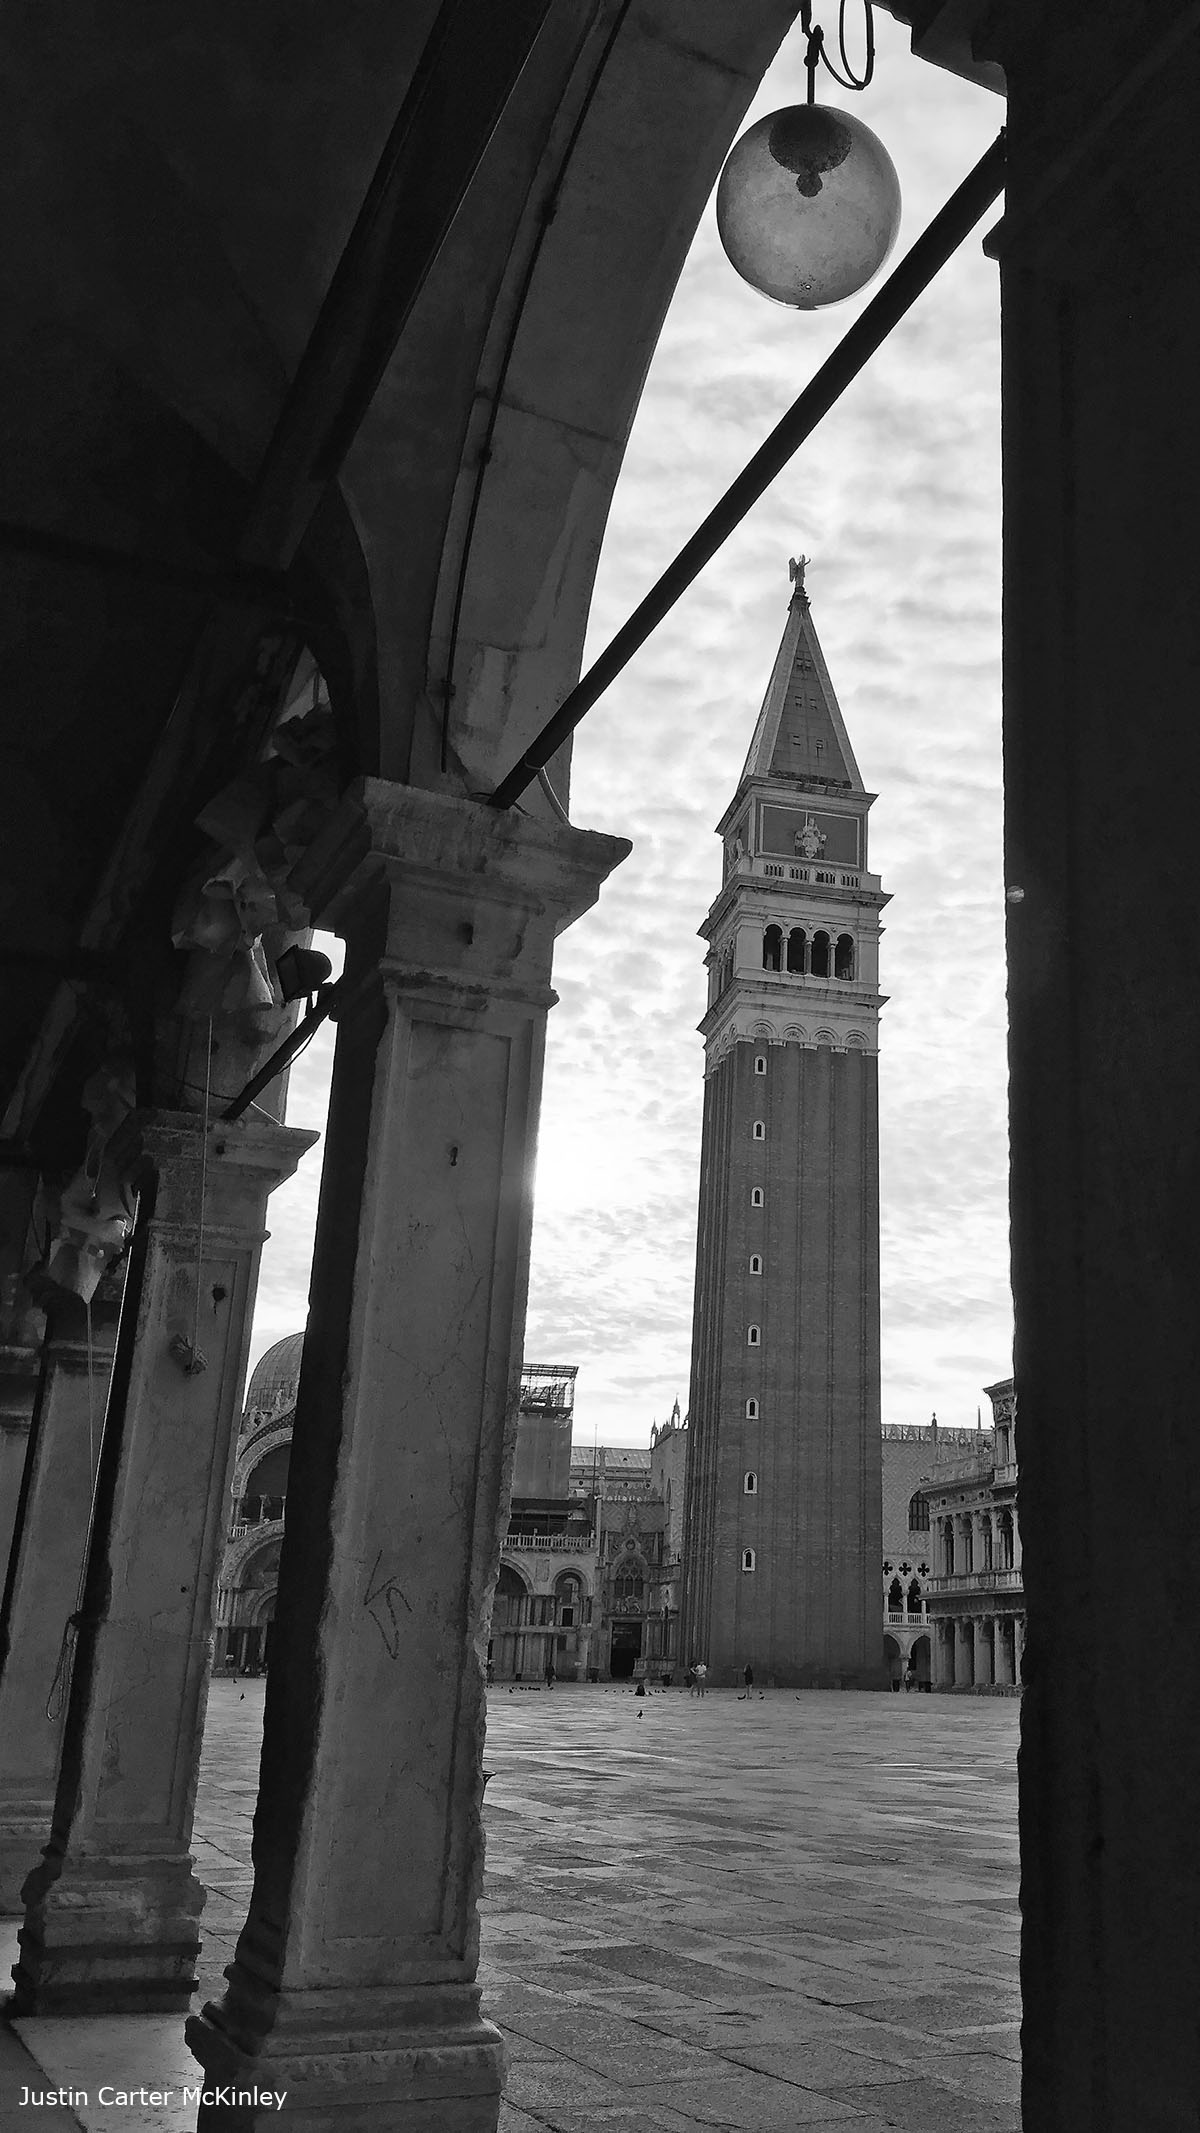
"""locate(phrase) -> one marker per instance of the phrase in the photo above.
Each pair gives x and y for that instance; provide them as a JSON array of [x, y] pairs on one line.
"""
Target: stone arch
[[240, 1553], [763, 1029], [772, 948], [856, 1040], [635, 125], [827, 1036], [795, 1033], [256, 1448]]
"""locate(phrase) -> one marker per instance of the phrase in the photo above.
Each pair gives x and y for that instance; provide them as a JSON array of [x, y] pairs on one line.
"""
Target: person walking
[[701, 1677], [748, 1678]]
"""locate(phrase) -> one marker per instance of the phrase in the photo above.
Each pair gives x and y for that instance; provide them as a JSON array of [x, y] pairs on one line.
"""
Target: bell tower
[[783, 1534]]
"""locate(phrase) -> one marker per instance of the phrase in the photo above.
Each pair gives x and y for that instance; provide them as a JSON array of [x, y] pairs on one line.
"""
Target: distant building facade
[[910, 1453], [249, 1574], [783, 1536], [590, 1563], [976, 1596]]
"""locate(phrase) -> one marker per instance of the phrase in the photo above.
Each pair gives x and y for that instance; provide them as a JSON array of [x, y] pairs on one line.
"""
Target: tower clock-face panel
[[815, 833]]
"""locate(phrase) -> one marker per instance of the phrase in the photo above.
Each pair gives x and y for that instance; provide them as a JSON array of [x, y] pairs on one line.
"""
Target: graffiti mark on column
[[380, 1602]]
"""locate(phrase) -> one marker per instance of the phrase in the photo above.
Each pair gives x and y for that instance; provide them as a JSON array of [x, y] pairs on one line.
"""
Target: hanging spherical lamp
[[808, 206]]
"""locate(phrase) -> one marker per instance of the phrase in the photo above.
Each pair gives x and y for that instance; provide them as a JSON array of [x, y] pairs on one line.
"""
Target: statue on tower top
[[797, 565]]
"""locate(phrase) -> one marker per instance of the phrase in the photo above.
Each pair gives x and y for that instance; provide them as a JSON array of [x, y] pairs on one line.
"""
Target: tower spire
[[801, 734]]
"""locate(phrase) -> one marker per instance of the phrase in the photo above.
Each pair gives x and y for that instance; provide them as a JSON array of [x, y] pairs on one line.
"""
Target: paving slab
[[800, 1914]]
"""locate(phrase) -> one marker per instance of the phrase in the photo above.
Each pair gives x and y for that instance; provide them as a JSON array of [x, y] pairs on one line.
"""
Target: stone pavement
[[776, 1913], [789, 1912]]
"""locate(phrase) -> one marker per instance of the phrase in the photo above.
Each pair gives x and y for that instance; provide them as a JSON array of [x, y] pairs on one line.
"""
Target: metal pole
[[901, 289]]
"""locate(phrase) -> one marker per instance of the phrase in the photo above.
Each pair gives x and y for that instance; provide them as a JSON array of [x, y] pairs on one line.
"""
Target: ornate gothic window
[[627, 1589]]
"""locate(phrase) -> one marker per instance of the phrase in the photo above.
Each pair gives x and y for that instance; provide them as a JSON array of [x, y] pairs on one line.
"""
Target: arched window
[[797, 943], [750, 1483], [752, 1410], [760, 1064], [914, 1598], [985, 1539], [918, 1514], [747, 1558], [568, 1591], [760, 1129], [820, 955], [1004, 1540], [895, 1597], [967, 1537], [627, 1589], [843, 957], [756, 1262], [753, 1336], [948, 1546], [266, 1487], [508, 1607], [756, 1196], [773, 948]]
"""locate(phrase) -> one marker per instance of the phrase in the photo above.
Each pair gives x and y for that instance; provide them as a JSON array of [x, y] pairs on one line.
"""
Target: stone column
[[21, 1330], [20, 1369], [112, 1912], [940, 1654], [984, 1629], [1102, 557], [964, 1652], [42, 1589], [353, 1986]]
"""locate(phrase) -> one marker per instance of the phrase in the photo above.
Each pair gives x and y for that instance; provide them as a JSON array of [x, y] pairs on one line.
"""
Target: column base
[[109, 1937], [24, 1828], [400, 2059]]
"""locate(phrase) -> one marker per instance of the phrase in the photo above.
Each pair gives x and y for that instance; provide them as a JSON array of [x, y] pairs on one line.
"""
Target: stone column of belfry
[[41, 1590], [112, 1911], [784, 1574], [353, 1987]]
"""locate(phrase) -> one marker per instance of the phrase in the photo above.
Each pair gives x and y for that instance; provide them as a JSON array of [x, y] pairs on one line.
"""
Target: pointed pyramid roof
[[801, 734]]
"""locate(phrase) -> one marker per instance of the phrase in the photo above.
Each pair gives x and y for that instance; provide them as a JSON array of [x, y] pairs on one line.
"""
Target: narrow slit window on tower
[[754, 1336], [760, 1064], [752, 1410], [756, 1262], [747, 1558], [797, 943], [750, 1483], [756, 1196], [773, 948], [843, 957], [760, 1129]]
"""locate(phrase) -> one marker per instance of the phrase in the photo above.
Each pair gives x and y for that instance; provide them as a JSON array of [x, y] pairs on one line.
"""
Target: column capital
[[452, 900], [239, 1164]]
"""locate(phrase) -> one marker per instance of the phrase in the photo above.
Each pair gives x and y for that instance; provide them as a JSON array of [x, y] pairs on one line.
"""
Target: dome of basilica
[[275, 1376]]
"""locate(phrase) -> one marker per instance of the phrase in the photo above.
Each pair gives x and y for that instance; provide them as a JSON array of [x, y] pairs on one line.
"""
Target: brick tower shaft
[[783, 1534]]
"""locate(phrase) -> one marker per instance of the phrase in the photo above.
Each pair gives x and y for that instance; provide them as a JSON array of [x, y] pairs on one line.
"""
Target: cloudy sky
[[896, 501]]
